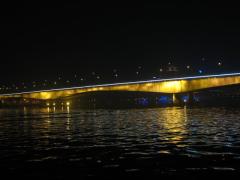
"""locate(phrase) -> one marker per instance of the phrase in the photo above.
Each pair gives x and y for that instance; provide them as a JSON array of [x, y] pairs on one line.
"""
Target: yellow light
[[68, 103], [54, 104], [170, 86], [47, 104]]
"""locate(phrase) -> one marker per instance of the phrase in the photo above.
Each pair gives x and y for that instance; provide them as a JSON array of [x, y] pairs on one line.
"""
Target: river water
[[65, 142]]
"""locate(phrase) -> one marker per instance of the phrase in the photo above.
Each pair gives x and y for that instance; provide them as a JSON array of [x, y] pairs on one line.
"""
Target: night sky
[[44, 40]]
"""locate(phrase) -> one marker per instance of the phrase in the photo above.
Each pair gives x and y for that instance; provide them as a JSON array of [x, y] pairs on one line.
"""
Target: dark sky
[[44, 39]]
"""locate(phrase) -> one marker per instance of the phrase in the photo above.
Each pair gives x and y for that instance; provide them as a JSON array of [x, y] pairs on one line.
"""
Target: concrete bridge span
[[173, 86]]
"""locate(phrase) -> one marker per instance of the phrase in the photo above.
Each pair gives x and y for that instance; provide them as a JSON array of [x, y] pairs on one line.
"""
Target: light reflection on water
[[123, 141]]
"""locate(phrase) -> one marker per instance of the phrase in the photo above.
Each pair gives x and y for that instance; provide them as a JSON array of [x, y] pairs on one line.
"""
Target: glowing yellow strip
[[175, 85]]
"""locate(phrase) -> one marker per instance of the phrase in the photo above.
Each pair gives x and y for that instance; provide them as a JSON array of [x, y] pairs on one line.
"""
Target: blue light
[[164, 100], [196, 98], [185, 98], [200, 71], [143, 101]]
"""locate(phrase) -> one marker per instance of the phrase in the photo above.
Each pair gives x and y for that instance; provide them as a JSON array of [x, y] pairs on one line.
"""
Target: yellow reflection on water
[[24, 110], [174, 121], [46, 116], [68, 109], [68, 124]]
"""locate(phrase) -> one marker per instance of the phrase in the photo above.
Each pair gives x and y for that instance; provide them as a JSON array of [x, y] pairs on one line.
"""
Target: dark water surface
[[63, 143]]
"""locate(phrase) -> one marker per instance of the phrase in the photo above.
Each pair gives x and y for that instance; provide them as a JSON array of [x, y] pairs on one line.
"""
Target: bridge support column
[[191, 98], [176, 100]]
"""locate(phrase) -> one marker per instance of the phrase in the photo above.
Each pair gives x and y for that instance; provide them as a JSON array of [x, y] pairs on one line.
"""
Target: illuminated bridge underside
[[177, 85]]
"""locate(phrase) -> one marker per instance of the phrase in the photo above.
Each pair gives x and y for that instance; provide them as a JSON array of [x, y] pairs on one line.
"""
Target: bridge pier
[[183, 99], [190, 98], [176, 99]]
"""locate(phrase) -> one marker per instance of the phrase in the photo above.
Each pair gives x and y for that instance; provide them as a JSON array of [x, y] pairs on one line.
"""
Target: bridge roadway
[[173, 86]]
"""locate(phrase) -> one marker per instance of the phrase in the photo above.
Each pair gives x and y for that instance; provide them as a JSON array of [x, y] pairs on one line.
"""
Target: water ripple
[[160, 140]]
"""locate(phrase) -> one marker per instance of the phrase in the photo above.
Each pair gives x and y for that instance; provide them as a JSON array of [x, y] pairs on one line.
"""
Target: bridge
[[170, 86]]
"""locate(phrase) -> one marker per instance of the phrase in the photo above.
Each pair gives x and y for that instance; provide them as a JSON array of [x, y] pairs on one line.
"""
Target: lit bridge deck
[[174, 86]]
